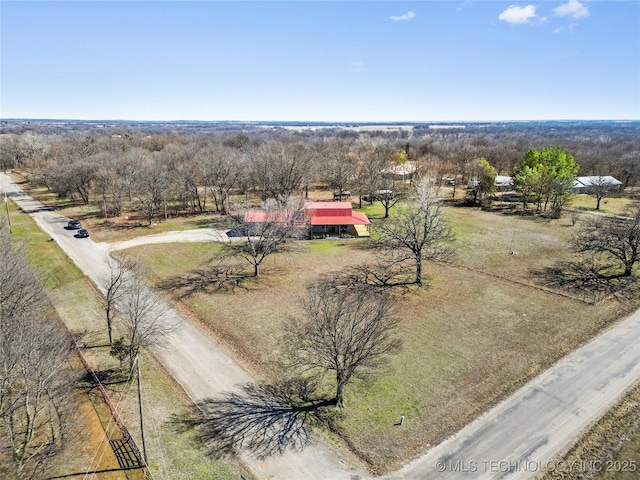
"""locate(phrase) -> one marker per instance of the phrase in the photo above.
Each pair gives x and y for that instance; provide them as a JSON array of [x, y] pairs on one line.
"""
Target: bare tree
[[417, 231], [339, 169], [266, 233], [73, 170], [278, 169], [37, 403], [145, 321], [374, 156], [613, 238], [629, 168], [17, 150], [114, 286], [151, 186], [600, 188], [223, 170], [346, 330]]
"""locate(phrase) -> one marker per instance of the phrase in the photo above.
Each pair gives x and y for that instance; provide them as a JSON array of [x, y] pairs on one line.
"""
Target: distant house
[[336, 218], [591, 184], [401, 171], [378, 195], [324, 219], [504, 183]]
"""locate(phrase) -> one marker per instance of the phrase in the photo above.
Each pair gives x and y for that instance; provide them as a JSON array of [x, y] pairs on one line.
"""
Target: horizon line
[[331, 122]]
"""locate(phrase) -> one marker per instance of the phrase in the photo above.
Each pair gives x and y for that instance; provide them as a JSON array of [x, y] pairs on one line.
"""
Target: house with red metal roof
[[325, 219], [336, 219]]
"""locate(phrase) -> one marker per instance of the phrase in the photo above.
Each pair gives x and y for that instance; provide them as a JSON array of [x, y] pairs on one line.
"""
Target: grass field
[[616, 205], [470, 338], [481, 328], [174, 452]]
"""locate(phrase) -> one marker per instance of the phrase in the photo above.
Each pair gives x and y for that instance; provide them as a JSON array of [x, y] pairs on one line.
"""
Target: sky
[[332, 61]]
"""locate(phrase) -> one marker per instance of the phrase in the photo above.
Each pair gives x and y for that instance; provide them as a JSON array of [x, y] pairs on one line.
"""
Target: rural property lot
[[470, 338]]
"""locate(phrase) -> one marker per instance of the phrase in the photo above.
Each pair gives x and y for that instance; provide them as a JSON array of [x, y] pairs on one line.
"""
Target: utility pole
[[144, 447], [6, 203]]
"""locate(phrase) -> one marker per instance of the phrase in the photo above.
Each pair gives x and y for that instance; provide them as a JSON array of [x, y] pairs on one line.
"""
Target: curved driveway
[[514, 440], [199, 235]]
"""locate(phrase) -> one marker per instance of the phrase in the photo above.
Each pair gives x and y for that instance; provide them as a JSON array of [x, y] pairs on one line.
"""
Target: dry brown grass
[[470, 338], [479, 331]]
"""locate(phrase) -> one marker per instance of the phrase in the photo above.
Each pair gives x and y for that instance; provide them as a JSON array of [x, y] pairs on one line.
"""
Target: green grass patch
[[376, 210], [617, 205], [54, 267]]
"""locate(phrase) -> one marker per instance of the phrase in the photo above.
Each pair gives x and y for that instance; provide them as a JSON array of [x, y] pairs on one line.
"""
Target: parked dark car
[[82, 233], [74, 225]]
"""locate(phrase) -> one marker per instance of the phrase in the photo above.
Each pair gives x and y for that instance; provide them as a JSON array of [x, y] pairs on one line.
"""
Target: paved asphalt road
[[514, 440], [520, 437]]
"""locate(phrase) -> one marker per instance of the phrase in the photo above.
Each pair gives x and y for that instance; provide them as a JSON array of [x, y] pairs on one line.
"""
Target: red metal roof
[[318, 213], [328, 205], [328, 209], [356, 218], [257, 216], [334, 213]]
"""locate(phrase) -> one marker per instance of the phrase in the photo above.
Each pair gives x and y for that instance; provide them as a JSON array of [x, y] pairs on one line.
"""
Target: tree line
[[156, 175]]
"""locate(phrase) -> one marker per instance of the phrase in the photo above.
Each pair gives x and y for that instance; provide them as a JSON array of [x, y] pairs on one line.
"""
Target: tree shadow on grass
[[266, 420], [216, 278], [588, 280]]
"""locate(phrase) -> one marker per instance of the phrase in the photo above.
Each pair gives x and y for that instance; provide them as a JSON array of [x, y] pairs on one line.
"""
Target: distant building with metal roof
[[590, 184]]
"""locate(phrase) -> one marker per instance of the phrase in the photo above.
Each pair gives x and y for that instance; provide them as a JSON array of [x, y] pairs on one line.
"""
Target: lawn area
[[470, 338], [508, 244], [616, 205], [174, 452]]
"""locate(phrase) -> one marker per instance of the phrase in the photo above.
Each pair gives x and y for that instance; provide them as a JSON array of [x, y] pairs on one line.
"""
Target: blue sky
[[321, 60]]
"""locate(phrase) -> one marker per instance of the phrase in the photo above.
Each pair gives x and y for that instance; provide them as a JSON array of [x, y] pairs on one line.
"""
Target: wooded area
[[156, 170]]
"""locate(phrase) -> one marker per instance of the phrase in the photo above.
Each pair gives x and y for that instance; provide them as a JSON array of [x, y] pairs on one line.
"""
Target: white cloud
[[407, 16], [356, 67], [572, 9], [463, 5], [516, 14]]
